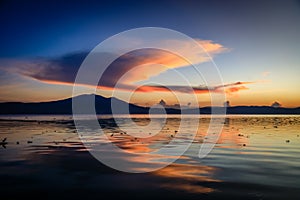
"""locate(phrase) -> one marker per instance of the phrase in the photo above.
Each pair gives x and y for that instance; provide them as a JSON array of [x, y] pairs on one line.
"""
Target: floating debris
[[175, 131], [17, 142], [287, 141], [29, 142], [241, 135], [172, 135], [111, 135], [244, 145], [3, 143], [275, 126]]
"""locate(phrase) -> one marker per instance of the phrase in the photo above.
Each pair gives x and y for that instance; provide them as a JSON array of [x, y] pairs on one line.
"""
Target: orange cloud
[[230, 88], [138, 66], [235, 89], [63, 69]]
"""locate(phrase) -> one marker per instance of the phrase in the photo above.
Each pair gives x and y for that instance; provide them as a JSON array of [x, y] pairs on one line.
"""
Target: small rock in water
[[29, 142], [111, 135], [275, 126], [297, 135], [244, 145], [175, 131], [172, 135], [17, 142], [287, 141], [240, 135]]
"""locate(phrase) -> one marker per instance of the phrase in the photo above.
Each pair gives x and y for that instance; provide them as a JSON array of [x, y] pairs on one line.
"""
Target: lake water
[[256, 157]]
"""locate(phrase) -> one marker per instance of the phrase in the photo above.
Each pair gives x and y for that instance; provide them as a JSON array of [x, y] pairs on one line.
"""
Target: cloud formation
[[229, 88], [62, 70]]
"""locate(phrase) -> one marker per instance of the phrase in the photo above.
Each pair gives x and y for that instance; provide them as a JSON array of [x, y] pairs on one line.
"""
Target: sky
[[254, 44]]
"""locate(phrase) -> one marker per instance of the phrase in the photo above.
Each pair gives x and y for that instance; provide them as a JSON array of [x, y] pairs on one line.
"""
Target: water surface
[[256, 157]]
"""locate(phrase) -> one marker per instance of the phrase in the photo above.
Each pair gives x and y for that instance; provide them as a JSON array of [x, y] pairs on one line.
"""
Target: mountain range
[[103, 106]]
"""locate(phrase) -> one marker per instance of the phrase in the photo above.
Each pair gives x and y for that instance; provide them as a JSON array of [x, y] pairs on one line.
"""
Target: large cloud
[[62, 70]]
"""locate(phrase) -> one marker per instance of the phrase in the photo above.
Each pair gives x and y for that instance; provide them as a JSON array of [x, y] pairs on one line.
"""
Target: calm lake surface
[[256, 157]]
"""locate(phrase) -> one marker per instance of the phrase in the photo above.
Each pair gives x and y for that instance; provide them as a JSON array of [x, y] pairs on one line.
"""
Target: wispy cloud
[[229, 88], [265, 73]]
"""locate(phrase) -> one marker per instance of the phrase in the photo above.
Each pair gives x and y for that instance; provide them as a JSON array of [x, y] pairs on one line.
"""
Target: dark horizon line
[[5, 102]]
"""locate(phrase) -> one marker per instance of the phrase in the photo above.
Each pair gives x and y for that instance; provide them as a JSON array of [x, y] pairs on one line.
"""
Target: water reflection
[[187, 177], [250, 149]]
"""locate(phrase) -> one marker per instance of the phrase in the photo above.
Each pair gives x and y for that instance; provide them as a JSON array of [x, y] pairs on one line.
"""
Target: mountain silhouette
[[103, 106]]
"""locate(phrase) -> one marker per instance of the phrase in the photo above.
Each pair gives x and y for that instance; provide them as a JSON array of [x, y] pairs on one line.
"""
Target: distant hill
[[261, 110], [103, 106]]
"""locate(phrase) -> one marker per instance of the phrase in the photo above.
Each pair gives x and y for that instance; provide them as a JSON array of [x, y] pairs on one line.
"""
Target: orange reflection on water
[[229, 137], [187, 177]]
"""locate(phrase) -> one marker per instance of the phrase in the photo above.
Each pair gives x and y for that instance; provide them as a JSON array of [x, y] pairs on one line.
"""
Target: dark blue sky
[[45, 28], [262, 36]]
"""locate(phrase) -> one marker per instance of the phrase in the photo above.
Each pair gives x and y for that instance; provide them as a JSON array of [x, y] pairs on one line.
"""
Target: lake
[[255, 157]]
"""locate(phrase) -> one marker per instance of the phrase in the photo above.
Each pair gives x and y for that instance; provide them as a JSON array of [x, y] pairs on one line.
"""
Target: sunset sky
[[255, 45]]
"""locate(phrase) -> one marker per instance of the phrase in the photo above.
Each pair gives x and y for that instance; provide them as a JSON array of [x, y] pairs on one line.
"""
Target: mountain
[[103, 106], [251, 110], [262, 110]]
